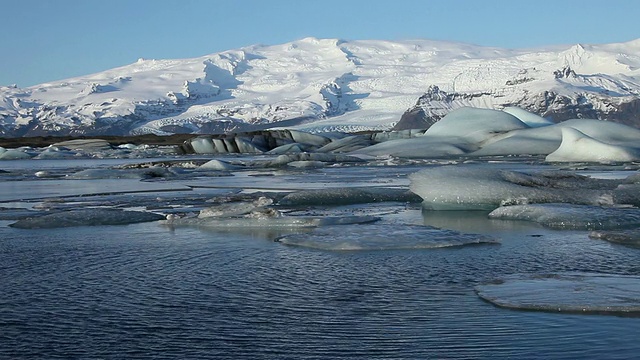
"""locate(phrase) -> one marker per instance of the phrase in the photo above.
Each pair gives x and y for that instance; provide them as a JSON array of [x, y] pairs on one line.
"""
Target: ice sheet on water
[[267, 220], [86, 217], [624, 237], [573, 292], [347, 196], [383, 237], [93, 174], [568, 216], [483, 188]]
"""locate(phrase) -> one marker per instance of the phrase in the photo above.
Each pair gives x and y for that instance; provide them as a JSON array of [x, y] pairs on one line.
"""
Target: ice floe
[[462, 187], [568, 216], [581, 293], [383, 237], [347, 196], [629, 237], [267, 220], [86, 217]]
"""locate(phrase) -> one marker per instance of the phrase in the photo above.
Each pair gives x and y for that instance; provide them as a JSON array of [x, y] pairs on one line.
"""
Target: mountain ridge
[[329, 84]]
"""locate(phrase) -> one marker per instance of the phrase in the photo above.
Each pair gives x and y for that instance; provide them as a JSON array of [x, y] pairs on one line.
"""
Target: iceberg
[[15, 154], [383, 237], [580, 293], [475, 125], [463, 187], [529, 118], [571, 217], [577, 146], [86, 217]]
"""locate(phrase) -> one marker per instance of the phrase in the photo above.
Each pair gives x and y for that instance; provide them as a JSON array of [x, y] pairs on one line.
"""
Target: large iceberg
[[577, 146], [475, 132], [463, 187], [580, 293]]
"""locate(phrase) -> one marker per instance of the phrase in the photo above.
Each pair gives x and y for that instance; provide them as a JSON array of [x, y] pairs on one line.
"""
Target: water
[[148, 291]]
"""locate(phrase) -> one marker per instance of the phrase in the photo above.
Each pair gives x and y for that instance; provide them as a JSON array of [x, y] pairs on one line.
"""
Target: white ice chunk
[[268, 222], [218, 165], [235, 208], [567, 216], [576, 146], [383, 237], [307, 164], [465, 188], [580, 293], [480, 188], [87, 217], [529, 118], [475, 125], [15, 154], [624, 237]]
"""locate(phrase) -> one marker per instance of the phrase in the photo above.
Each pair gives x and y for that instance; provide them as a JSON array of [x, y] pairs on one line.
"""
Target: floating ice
[[15, 154], [347, 196], [86, 217], [566, 216], [268, 221], [235, 208], [624, 237], [90, 145], [480, 188], [573, 293], [282, 160], [383, 237], [218, 165], [307, 164], [576, 146], [151, 172]]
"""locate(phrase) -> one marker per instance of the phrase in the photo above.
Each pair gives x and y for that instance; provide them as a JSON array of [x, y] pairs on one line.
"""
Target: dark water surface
[[146, 291]]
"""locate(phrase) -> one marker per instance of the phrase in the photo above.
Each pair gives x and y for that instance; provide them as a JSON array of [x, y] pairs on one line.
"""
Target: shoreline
[[149, 139]]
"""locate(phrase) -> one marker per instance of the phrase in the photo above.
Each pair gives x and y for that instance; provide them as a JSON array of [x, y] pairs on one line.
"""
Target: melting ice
[[574, 292], [383, 237]]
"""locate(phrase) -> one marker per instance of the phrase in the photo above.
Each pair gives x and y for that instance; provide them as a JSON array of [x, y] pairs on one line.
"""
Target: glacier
[[320, 85]]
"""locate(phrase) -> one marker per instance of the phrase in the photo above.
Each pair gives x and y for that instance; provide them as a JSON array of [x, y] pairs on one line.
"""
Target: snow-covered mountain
[[328, 84]]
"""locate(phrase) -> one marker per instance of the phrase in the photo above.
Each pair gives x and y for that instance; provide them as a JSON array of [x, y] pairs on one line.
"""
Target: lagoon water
[[150, 291]]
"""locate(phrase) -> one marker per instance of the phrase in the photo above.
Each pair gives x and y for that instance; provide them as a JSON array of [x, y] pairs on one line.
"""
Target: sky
[[49, 40]]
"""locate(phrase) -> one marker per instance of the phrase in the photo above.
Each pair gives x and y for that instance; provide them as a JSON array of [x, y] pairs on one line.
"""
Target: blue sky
[[47, 40]]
